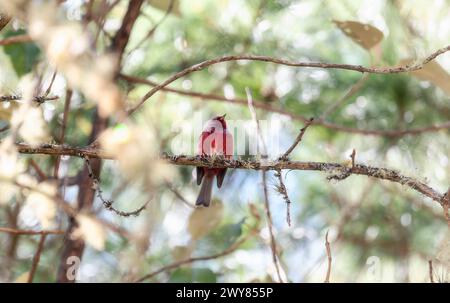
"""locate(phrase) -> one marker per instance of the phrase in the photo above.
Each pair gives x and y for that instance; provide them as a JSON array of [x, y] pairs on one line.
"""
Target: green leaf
[[23, 55]]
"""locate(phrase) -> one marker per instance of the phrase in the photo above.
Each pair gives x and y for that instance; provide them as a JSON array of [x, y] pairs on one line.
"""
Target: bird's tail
[[204, 196]]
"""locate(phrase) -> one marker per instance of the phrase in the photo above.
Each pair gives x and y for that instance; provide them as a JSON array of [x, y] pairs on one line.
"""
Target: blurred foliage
[[365, 218]]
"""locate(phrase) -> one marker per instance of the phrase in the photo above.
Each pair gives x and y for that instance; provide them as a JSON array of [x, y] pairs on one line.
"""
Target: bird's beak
[[224, 116]]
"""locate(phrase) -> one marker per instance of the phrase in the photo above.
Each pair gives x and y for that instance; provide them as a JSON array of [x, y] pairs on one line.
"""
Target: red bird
[[214, 140]]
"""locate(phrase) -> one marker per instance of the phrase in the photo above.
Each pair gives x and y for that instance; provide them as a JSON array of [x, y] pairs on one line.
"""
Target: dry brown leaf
[[432, 72], [365, 35], [205, 219]]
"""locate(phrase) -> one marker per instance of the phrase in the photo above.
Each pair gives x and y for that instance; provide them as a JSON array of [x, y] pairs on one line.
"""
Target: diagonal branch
[[177, 264], [36, 258], [358, 68], [298, 139]]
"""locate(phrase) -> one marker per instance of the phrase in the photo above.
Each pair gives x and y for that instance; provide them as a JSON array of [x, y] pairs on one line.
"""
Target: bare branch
[[358, 68], [177, 264], [30, 232], [266, 106], [273, 244], [220, 162]]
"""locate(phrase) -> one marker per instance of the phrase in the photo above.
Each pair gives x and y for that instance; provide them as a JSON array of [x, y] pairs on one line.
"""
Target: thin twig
[[353, 90], [298, 139], [41, 175], [177, 264], [16, 39], [67, 102], [358, 68], [36, 258], [327, 246], [430, 270], [49, 88], [153, 29], [273, 244], [179, 195], [268, 107]]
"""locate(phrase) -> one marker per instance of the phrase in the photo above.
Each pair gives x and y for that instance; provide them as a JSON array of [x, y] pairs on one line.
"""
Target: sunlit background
[[378, 231]]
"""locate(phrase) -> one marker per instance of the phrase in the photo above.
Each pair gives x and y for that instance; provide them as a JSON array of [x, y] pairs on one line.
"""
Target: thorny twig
[[108, 203], [37, 99]]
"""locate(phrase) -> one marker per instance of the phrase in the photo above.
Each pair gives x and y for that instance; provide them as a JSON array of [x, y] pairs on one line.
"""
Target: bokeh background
[[378, 231]]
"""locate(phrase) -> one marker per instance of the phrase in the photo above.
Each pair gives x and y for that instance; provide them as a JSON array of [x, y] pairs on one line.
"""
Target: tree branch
[[30, 232], [358, 68], [266, 106], [298, 139], [227, 251], [335, 169], [16, 39]]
